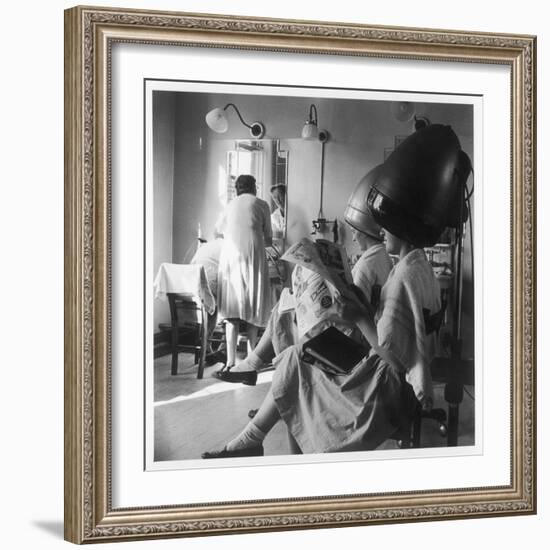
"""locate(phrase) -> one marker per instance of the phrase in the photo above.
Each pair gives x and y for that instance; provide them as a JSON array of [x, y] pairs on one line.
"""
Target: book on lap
[[334, 352]]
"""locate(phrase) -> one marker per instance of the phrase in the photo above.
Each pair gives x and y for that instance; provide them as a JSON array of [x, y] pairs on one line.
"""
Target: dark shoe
[[251, 451], [248, 377], [252, 413], [215, 357], [225, 368]]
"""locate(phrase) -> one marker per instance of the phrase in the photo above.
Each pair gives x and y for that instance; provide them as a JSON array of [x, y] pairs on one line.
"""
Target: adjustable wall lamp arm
[[257, 129], [249, 126], [313, 114]]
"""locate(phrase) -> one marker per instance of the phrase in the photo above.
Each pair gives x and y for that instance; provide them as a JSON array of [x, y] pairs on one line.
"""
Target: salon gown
[[360, 411], [243, 278], [371, 271]]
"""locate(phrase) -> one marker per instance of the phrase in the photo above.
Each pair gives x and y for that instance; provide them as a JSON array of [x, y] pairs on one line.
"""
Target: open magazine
[[321, 277], [325, 258]]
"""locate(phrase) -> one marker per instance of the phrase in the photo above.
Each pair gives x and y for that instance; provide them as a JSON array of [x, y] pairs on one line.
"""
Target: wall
[[353, 149], [163, 189], [31, 229], [191, 193]]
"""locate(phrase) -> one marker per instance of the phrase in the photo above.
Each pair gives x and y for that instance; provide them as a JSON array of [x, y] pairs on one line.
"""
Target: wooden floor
[[192, 416]]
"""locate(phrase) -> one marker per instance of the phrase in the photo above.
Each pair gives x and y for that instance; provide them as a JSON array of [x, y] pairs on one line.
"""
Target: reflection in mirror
[[268, 164]]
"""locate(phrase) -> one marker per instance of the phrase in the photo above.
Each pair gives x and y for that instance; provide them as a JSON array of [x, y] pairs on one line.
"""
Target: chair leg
[[200, 370], [452, 429], [174, 368], [174, 333], [204, 343], [293, 445], [417, 428]]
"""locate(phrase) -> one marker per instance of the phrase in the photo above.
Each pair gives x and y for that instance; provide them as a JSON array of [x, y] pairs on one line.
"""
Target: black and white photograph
[[300, 274], [310, 289]]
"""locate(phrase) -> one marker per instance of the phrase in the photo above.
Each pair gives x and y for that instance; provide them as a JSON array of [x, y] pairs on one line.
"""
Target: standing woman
[[243, 280]]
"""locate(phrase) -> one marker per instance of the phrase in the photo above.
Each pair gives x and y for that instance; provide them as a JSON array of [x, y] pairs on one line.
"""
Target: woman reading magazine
[[327, 413], [358, 412]]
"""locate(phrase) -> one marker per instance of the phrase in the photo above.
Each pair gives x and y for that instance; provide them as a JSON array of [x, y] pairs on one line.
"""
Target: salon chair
[[188, 329], [408, 433], [409, 425]]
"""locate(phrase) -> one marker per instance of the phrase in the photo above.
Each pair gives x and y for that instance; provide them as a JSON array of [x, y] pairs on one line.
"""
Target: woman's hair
[[278, 188], [278, 194], [245, 184]]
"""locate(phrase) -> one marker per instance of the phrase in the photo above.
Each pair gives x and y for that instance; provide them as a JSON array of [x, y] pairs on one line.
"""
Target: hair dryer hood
[[357, 212], [419, 190]]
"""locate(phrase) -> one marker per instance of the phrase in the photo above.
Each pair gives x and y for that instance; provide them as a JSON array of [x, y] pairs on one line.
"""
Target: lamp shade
[[310, 130], [217, 120], [402, 111]]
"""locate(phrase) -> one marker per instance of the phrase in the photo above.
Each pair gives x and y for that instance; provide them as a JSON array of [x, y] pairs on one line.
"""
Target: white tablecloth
[[184, 279]]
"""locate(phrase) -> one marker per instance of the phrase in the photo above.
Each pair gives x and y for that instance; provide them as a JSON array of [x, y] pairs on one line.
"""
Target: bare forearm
[[362, 313], [368, 328]]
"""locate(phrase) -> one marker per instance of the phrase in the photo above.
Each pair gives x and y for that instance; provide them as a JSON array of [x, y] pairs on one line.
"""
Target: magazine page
[[306, 254], [287, 301], [315, 299], [335, 259], [324, 257], [321, 276]]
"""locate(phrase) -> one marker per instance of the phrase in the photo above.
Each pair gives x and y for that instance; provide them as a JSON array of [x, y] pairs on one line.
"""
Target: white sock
[[252, 362], [251, 436]]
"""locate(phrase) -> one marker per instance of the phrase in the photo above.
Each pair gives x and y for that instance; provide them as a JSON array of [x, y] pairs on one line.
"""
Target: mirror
[[264, 160]]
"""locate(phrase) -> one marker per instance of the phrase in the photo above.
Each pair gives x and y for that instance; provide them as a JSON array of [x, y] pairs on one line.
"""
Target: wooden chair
[[409, 431], [188, 329]]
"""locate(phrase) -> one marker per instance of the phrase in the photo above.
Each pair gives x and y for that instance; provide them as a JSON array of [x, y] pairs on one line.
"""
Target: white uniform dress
[[243, 279], [371, 272], [360, 411]]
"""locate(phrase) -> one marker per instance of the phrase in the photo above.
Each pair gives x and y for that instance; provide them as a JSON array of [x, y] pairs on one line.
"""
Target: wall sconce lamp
[[217, 121], [405, 111], [420, 122], [402, 111], [320, 224], [311, 131]]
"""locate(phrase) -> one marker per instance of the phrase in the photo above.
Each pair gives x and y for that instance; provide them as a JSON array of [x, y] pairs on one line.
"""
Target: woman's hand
[[353, 308], [349, 309]]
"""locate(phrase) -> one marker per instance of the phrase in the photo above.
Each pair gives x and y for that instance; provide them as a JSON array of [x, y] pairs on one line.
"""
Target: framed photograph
[[299, 278]]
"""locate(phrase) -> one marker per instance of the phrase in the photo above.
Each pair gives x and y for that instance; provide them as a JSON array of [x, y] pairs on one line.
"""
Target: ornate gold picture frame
[[90, 36]]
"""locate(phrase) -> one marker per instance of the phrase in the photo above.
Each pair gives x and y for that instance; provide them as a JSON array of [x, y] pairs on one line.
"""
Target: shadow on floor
[[52, 527], [168, 386]]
